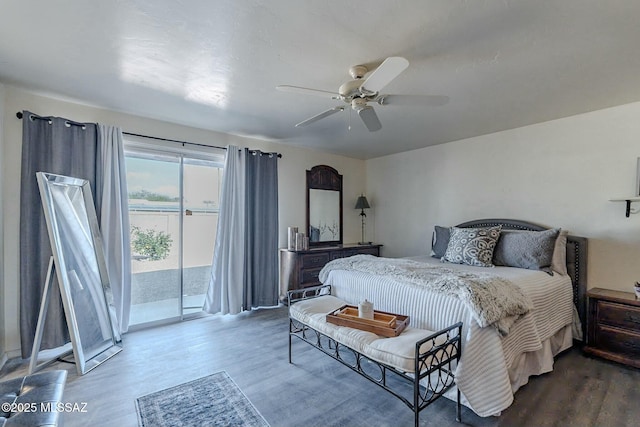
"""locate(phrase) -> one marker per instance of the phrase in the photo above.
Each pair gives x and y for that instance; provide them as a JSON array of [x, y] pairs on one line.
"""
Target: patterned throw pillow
[[472, 246]]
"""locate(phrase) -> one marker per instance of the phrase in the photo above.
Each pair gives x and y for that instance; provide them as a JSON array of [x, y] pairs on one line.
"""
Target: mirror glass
[[80, 268], [324, 215], [324, 206]]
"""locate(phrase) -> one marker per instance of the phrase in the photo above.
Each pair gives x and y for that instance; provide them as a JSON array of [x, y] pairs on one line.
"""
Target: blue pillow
[[439, 241]]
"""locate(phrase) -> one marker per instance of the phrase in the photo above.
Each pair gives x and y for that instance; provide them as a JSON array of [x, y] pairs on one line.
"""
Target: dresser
[[613, 326], [300, 269]]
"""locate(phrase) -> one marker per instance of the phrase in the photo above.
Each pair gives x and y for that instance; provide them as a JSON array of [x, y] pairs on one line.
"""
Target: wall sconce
[[362, 204]]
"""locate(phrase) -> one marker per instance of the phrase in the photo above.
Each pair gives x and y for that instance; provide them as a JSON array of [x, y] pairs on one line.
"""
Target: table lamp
[[362, 204]]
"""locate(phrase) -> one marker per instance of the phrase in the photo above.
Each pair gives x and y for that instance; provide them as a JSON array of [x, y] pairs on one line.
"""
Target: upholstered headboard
[[576, 257]]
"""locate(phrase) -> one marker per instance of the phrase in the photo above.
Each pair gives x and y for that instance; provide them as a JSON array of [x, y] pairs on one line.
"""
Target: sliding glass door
[[200, 222], [173, 211]]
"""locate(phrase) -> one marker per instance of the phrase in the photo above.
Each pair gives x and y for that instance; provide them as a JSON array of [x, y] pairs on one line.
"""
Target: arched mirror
[[324, 206]]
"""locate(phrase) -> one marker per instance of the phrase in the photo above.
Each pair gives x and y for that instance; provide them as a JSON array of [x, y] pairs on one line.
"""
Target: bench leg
[[416, 401], [458, 408], [290, 326]]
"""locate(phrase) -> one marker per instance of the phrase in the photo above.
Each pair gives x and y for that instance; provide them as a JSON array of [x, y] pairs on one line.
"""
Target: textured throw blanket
[[493, 300]]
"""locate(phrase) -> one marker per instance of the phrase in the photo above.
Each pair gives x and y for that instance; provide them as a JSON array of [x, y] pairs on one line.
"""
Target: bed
[[496, 361]]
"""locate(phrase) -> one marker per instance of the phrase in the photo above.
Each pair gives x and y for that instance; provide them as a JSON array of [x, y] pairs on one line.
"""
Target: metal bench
[[423, 361]]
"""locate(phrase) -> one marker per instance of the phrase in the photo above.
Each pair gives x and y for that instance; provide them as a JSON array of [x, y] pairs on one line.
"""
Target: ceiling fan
[[360, 91]]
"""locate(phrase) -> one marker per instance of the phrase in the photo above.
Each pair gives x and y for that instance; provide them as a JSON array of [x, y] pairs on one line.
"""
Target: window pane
[[201, 206], [154, 214]]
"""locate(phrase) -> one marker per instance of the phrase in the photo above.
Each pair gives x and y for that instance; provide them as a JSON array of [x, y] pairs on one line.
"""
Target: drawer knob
[[631, 318]]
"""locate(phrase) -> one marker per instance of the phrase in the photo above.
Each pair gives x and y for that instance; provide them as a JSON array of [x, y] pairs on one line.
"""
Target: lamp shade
[[362, 203]]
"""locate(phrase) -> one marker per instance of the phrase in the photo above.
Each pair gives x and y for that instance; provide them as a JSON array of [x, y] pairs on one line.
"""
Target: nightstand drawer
[[618, 341], [314, 260], [622, 316]]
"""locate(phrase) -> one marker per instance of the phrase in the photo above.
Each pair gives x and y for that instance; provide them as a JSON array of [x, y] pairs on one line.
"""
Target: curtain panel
[[244, 273], [112, 203], [261, 235], [58, 146]]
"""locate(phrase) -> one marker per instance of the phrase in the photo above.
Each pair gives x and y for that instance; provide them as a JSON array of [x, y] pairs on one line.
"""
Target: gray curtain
[[244, 273], [261, 236], [58, 146]]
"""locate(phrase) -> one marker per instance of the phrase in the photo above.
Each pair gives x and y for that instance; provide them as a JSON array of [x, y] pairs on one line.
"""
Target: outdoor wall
[[291, 177], [560, 173]]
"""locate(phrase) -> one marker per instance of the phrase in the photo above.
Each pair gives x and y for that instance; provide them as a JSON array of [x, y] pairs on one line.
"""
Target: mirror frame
[[323, 177], [82, 299]]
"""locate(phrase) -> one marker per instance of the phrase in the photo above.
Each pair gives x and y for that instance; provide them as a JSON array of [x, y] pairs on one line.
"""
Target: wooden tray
[[383, 323]]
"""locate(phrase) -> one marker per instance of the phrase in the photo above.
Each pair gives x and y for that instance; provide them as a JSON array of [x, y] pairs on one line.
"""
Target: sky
[[201, 183], [154, 176]]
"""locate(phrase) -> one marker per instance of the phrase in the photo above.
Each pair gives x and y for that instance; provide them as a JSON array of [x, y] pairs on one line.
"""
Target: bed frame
[[576, 258]]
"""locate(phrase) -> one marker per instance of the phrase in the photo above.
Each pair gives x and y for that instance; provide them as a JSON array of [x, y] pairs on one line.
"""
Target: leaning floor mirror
[[79, 264]]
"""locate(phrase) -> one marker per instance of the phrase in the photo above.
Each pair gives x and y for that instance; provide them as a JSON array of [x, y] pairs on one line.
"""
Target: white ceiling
[[215, 64]]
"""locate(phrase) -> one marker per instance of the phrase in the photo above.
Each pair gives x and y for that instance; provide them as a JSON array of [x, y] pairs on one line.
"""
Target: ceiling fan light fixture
[[358, 104]]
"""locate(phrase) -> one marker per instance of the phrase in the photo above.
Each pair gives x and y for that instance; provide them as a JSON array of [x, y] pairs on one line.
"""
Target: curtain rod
[[19, 115]]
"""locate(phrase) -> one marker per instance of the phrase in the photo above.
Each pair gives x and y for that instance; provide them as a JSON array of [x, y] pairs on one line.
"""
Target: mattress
[[492, 367]]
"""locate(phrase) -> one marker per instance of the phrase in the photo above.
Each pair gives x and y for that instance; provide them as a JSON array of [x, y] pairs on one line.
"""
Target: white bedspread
[[492, 299], [483, 372]]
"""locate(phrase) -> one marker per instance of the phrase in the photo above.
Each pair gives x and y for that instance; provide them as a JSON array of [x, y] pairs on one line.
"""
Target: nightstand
[[613, 326]]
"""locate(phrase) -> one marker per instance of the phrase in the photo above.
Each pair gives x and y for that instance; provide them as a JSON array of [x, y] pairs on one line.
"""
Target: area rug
[[214, 400]]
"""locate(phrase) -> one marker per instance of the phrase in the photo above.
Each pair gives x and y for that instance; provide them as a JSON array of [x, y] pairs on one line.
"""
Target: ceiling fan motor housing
[[350, 90]]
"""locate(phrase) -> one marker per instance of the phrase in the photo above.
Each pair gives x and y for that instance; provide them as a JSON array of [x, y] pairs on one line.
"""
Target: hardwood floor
[[318, 391]]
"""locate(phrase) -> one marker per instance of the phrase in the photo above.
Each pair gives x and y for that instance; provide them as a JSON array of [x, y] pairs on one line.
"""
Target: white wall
[[559, 173], [291, 177]]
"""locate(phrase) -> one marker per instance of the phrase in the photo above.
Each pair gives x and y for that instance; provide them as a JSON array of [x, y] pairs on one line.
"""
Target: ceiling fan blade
[[307, 91], [320, 116], [370, 118], [382, 76], [413, 100]]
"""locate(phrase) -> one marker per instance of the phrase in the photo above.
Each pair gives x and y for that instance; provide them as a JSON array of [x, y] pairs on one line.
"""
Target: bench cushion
[[398, 352], [313, 312]]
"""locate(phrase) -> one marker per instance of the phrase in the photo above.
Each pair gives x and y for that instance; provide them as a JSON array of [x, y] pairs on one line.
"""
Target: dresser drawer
[[622, 316], [618, 341], [363, 251], [310, 276], [314, 260]]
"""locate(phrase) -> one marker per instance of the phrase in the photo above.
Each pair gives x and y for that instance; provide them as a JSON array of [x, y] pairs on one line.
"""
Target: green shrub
[[154, 245]]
